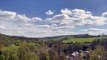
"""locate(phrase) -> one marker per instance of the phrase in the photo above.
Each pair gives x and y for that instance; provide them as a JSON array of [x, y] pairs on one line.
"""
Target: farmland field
[[79, 40]]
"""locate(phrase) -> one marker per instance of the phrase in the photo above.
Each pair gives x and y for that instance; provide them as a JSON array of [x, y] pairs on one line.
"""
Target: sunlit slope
[[78, 40]]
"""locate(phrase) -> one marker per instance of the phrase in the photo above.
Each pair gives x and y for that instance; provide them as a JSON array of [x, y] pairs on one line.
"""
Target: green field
[[78, 40]]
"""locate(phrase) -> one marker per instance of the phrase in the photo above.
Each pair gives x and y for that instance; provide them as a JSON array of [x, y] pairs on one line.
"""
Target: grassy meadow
[[78, 40]]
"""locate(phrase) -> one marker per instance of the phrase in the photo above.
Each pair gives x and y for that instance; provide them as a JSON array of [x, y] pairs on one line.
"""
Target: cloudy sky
[[45, 18]]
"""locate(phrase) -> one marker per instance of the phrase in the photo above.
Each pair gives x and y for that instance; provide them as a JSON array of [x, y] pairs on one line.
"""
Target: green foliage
[[62, 56], [31, 56], [98, 53], [55, 49], [53, 55], [43, 56], [23, 50], [1, 47], [11, 52]]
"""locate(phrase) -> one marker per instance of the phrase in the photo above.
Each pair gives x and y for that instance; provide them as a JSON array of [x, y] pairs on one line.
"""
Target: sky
[[47, 18]]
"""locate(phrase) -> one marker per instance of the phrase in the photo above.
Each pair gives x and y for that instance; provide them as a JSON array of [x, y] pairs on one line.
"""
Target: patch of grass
[[34, 44], [12, 47], [78, 40]]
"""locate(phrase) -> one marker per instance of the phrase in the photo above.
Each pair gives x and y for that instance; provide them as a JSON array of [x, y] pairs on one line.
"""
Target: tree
[[98, 53], [1, 51], [11, 53], [62, 56], [53, 55], [43, 53], [43, 56], [23, 50], [31, 56]]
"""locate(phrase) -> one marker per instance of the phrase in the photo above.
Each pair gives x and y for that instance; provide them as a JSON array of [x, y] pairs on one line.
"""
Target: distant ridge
[[47, 38]]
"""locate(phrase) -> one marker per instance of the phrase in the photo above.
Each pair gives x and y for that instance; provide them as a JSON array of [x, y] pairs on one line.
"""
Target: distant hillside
[[54, 37], [16, 37], [4, 37]]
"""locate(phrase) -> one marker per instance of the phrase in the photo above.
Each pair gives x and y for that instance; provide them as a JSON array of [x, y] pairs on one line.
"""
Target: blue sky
[[38, 7], [53, 16]]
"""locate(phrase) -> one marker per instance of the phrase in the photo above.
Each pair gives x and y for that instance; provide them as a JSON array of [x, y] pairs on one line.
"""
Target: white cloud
[[7, 15], [78, 17], [104, 14], [21, 18], [2, 27], [49, 12], [60, 24], [35, 19], [12, 23], [66, 11], [94, 31]]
